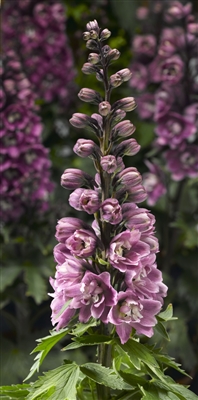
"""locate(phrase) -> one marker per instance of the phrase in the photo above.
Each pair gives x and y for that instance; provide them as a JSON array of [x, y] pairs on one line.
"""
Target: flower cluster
[[25, 177], [107, 271], [164, 72], [36, 29]]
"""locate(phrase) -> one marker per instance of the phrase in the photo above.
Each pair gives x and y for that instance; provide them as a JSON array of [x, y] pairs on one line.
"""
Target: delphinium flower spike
[[107, 271]]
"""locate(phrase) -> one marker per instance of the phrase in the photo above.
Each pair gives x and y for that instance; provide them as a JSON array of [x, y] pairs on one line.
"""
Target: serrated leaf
[[104, 376], [132, 361], [82, 328], [14, 391], [143, 353], [59, 383], [169, 362], [160, 328], [89, 340], [43, 349], [132, 379], [8, 275], [181, 390], [178, 390], [36, 284]]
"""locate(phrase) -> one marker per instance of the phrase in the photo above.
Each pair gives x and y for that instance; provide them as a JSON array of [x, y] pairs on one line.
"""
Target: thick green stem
[[105, 359]]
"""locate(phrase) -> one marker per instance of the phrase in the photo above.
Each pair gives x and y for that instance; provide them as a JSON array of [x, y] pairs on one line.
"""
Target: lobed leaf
[[104, 376], [14, 392], [57, 384], [44, 347]]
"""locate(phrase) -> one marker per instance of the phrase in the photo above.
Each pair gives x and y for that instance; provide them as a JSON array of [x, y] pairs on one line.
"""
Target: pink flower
[[132, 311]]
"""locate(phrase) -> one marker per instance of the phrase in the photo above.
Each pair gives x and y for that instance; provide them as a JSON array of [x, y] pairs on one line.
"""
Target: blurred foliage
[[27, 247]]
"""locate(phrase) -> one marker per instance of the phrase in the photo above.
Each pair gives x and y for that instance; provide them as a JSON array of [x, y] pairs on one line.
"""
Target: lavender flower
[[38, 29], [170, 65], [107, 271], [25, 164]]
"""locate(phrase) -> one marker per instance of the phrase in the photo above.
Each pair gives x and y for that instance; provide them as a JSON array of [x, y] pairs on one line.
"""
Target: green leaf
[[82, 328], [132, 379], [183, 391], [167, 314], [36, 284], [59, 383], [89, 340], [8, 275], [14, 392], [104, 376], [44, 347], [160, 328], [132, 361], [169, 362], [167, 391], [142, 353]]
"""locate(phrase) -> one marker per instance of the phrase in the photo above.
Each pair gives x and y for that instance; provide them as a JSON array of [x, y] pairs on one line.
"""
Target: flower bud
[[86, 36], [85, 148], [113, 55], [126, 104], [115, 80], [79, 120], [111, 211], [93, 34], [92, 25], [105, 50], [124, 129], [125, 74], [73, 178], [94, 58], [89, 96], [92, 44], [88, 69], [118, 115], [109, 164], [104, 108], [85, 200], [100, 75], [127, 148], [105, 34], [129, 177]]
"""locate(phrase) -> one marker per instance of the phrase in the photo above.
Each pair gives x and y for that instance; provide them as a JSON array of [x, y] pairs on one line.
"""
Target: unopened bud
[[79, 120], [88, 69], [104, 108], [100, 75], [115, 80], [114, 54], [74, 178], [109, 163], [90, 96], [118, 116], [126, 104], [85, 148], [130, 177], [86, 36], [105, 34], [92, 44], [92, 25], [127, 148], [125, 74], [105, 50], [124, 129], [93, 34], [94, 58]]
